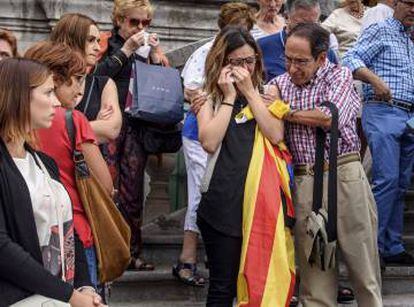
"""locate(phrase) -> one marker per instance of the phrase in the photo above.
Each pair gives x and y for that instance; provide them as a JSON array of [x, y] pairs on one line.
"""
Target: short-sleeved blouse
[[55, 142]]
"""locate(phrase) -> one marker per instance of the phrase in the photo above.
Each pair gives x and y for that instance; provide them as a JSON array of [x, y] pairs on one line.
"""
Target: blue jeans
[[92, 265], [392, 149]]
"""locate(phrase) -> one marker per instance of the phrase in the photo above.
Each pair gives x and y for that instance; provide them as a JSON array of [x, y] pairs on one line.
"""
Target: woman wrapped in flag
[[246, 210]]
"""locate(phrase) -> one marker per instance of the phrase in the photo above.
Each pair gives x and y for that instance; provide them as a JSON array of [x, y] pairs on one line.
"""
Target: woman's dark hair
[[317, 37], [73, 30], [229, 39], [10, 39], [235, 14]]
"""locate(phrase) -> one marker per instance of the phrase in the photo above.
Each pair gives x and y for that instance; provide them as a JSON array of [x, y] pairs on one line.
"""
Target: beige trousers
[[357, 240]]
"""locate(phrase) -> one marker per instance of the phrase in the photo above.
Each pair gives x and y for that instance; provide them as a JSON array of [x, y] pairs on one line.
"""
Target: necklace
[[357, 15]]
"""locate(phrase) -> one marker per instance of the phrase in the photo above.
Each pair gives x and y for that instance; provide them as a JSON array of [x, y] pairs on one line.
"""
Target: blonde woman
[[131, 19]]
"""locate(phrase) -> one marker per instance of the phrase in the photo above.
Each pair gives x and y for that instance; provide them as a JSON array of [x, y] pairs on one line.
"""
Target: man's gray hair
[[292, 5]]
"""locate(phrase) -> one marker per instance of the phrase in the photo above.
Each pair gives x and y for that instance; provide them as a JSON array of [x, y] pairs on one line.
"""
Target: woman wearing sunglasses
[[69, 68], [242, 187], [127, 43]]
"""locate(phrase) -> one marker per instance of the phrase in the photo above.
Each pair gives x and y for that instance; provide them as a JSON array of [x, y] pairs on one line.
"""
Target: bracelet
[[227, 104], [80, 289]]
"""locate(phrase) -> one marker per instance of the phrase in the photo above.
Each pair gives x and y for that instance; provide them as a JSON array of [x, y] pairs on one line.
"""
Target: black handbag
[[161, 138]]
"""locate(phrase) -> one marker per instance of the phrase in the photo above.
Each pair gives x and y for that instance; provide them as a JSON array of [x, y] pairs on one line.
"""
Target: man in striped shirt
[[311, 80], [383, 58]]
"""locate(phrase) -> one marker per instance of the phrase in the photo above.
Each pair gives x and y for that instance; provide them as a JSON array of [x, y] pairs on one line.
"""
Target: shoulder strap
[[70, 128], [88, 97], [332, 177]]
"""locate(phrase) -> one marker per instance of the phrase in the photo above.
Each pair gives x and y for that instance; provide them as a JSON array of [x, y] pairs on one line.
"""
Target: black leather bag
[[162, 138]]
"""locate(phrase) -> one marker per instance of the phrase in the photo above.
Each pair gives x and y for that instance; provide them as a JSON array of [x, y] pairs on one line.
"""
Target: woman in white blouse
[[345, 23], [41, 253]]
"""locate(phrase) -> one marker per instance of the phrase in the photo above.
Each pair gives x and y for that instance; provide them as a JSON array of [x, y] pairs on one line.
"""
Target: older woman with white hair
[[268, 18]]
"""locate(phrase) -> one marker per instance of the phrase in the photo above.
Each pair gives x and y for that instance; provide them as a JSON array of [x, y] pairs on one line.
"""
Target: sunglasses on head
[[135, 22]]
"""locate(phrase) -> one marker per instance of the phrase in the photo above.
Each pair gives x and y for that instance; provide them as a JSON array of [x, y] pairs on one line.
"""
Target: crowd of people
[[271, 198]]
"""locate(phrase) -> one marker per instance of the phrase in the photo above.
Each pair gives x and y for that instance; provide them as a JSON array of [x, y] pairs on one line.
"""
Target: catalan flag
[[267, 266]]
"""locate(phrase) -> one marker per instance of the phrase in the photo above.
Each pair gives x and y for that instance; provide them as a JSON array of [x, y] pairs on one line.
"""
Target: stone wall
[[178, 22]]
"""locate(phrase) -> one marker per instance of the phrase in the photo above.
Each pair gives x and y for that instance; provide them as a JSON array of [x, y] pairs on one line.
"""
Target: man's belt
[[401, 104], [307, 169]]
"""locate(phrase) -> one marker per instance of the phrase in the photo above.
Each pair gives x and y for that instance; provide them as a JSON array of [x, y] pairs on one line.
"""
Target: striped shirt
[[330, 83], [388, 51]]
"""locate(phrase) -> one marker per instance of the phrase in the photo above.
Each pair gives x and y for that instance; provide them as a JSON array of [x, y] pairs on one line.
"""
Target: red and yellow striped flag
[[267, 266]]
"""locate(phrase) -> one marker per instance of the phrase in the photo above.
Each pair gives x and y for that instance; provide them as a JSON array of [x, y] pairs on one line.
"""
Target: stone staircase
[[163, 235]]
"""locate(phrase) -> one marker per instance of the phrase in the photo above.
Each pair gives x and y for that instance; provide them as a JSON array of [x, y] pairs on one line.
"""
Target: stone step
[[158, 285], [408, 240], [163, 239], [160, 288], [161, 249], [395, 280], [409, 221], [159, 190], [389, 301]]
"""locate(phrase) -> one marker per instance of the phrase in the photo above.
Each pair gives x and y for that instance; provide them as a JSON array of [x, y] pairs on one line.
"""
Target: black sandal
[[192, 280], [345, 295], [140, 265]]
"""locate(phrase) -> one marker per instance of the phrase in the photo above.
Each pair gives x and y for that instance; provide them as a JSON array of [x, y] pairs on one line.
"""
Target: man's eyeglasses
[[241, 61], [135, 22], [298, 62]]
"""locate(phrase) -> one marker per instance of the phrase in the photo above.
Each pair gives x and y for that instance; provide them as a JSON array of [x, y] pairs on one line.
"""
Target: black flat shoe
[[345, 295]]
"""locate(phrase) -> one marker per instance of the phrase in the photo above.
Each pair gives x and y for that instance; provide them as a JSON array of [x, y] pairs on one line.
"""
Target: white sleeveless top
[[46, 213]]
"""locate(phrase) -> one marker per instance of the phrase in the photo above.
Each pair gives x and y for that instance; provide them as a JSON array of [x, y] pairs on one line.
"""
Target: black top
[[221, 206], [92, 98], [21, 266]]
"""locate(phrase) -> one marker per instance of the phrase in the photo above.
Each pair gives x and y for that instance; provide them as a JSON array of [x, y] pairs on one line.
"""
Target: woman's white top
[[50, 202], [345, 27]]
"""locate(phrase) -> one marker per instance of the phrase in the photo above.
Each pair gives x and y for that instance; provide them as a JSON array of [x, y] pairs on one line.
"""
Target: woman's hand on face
[[242, 79], [133, 43], [225, 82]]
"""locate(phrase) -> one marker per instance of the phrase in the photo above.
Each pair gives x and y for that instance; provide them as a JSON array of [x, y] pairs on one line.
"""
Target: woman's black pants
[[223, 253]]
